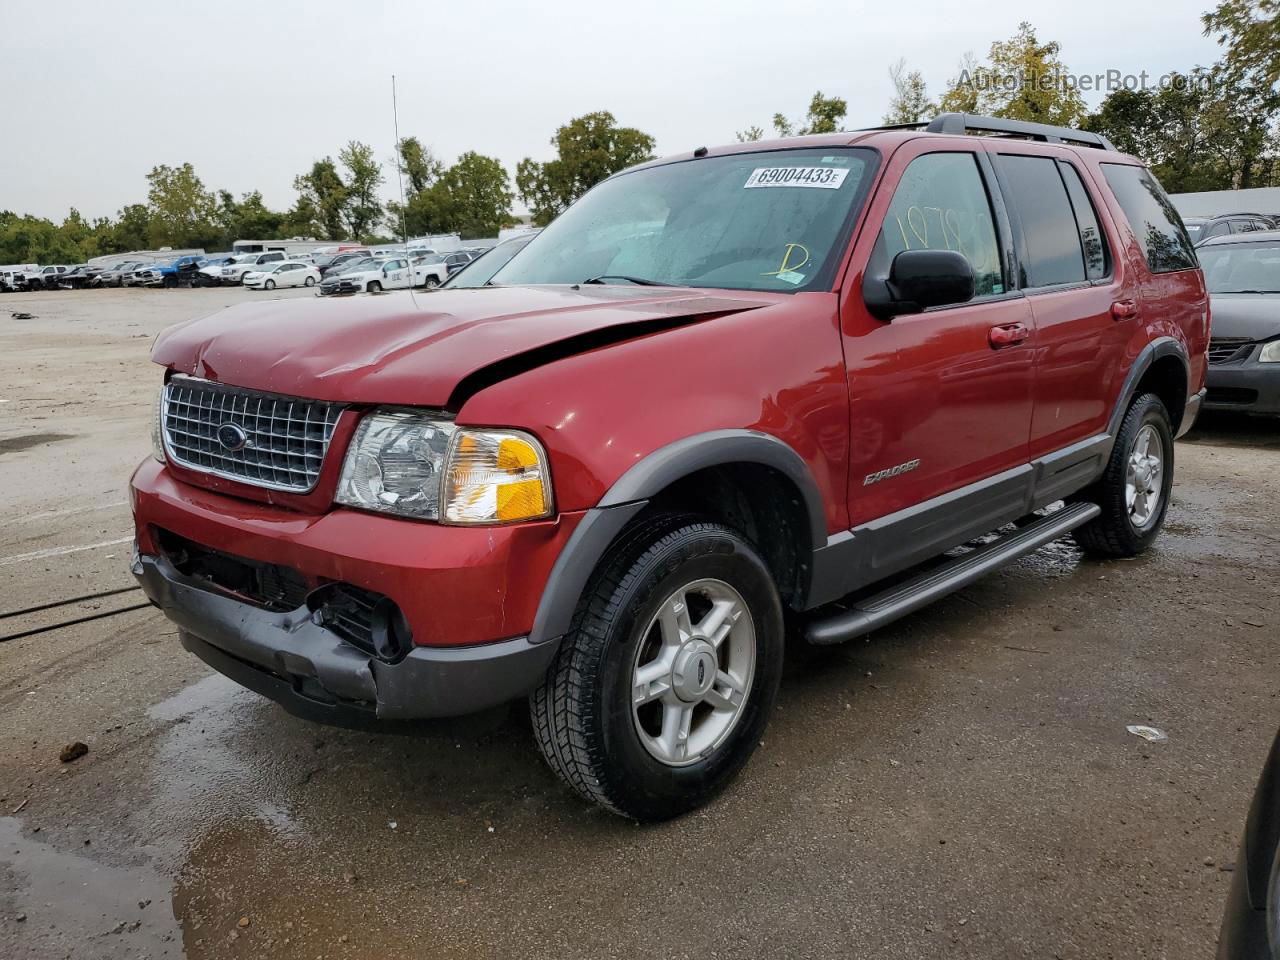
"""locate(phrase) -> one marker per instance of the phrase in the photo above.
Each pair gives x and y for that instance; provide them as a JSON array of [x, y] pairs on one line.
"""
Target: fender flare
[[1155, 350], [631, 493]]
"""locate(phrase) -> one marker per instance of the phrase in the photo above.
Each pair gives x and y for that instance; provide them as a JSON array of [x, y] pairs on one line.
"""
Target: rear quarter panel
[[1171, 304]]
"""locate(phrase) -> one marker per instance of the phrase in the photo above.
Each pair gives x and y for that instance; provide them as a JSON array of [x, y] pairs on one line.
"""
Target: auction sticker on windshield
[[827, 178]]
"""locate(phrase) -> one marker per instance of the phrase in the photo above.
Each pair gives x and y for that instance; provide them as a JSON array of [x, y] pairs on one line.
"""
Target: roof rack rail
[[962, 123]]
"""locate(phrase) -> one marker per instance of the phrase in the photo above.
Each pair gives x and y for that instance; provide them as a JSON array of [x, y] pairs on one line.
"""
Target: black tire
[[582, 716], [1113, 533], [431, 283], [373, 287], [269, 285]]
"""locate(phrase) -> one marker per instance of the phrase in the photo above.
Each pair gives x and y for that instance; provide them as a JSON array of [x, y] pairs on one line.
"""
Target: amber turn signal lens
[[496, 476]]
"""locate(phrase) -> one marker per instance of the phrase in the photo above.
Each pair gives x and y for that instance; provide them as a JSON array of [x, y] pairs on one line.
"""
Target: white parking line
[[69, 512], [60, 551]]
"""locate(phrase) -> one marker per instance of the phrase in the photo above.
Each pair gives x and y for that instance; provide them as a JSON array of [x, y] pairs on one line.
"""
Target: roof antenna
[[700, 152], [395, 115], [404, 228]]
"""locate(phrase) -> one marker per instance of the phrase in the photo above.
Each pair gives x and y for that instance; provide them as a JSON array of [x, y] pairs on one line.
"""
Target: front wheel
[[269, 285], [660, 692], [374, 287], [1134, 489]]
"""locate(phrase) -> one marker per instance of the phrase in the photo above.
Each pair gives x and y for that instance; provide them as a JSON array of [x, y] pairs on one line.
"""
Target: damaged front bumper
[[294, 659]]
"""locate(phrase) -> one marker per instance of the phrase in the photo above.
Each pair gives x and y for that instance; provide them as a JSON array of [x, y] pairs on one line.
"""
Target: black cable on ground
[[70, 623], [63, 603]]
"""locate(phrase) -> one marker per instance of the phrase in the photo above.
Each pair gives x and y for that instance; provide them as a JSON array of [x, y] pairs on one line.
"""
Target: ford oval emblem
[[231, 437]]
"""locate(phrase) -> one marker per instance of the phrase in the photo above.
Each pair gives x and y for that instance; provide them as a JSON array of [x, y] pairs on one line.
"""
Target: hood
[[414, 350], [1252, 315]]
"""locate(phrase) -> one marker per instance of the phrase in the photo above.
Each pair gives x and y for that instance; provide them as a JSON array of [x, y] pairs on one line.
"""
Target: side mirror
[[919, 279]]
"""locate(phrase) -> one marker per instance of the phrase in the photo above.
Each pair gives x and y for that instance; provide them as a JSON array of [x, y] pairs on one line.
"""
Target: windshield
[[1241, 267], [430, 258], [481, 270], [751, 221]]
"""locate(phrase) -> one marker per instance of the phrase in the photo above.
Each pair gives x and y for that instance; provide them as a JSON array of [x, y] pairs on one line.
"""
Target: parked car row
[[350, 271], [1200, 229], [396, 271]]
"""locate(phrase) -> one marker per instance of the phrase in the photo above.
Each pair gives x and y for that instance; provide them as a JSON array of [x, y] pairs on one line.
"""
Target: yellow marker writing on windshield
[[787, 265]]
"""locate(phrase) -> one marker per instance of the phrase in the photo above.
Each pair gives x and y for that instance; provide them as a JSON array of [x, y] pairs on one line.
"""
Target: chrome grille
[[286, 438], [1227, 349]]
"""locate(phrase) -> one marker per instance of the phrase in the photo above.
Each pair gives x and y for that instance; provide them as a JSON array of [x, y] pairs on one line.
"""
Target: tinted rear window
[[1154, 221], [1048, 224], [1091, 239]]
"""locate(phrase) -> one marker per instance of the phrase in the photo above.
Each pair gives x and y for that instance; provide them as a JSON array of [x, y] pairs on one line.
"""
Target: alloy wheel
[[692, 672], [1144, 474]]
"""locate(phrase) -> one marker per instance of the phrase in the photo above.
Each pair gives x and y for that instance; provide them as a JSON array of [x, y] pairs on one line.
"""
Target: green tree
[[1250, 32], [824, 116], [588, 149], [1201, 132], [1023, 80], [421, 170], [475, 196], [961, 95], [303, 220], [420, 166], [910, 102], [183, 212], [131, 230], [362, 210], [323, 196], [247, 218]]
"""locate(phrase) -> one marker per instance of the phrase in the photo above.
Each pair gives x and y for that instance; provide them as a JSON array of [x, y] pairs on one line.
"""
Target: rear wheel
[[374, 287], [1134, 489], [431, 283], [658, 695], [309, 282]]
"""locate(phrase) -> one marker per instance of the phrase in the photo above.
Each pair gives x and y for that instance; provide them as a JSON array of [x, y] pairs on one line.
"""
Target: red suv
[[723, 392]]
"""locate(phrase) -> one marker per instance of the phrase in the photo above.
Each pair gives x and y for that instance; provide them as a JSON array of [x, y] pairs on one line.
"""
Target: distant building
[[1214, 203]]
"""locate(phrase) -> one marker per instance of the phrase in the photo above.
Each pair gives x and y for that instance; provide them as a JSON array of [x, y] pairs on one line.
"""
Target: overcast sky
[[93, 95]]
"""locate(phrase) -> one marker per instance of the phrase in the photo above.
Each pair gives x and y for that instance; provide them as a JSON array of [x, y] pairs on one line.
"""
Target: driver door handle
[[1008, 335]]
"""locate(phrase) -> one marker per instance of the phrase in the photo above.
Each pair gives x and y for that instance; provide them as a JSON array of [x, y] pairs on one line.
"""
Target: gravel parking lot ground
[[962, 785]]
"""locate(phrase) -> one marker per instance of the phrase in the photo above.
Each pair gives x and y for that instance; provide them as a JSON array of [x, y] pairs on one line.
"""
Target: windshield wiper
[[622, 276], [1250, 291]]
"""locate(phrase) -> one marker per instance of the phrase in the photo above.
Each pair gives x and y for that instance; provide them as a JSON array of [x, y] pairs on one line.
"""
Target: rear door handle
[[1007, 335], [1124, 309]]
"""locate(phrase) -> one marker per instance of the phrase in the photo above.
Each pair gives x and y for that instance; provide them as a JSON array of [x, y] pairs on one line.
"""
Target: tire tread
[[562, 708]]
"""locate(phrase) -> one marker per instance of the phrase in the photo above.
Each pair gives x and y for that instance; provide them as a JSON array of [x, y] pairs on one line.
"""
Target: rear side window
[[1091, 239], [941, 204], [1048, 224], [1153, 219]]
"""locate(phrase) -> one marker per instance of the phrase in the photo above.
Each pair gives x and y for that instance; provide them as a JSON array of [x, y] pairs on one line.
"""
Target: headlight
[[1270, 352], [157, 425], [395, 463], [415, 465]]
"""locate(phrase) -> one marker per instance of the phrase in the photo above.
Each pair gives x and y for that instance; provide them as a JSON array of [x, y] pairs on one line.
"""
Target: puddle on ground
[[75, 907], [201, 776], [27, 441]]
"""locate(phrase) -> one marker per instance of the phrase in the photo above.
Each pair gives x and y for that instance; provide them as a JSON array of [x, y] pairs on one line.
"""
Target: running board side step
[[875, 611]]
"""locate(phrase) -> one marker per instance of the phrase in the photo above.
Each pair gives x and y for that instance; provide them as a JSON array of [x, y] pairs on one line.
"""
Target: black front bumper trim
[[315, 674]]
